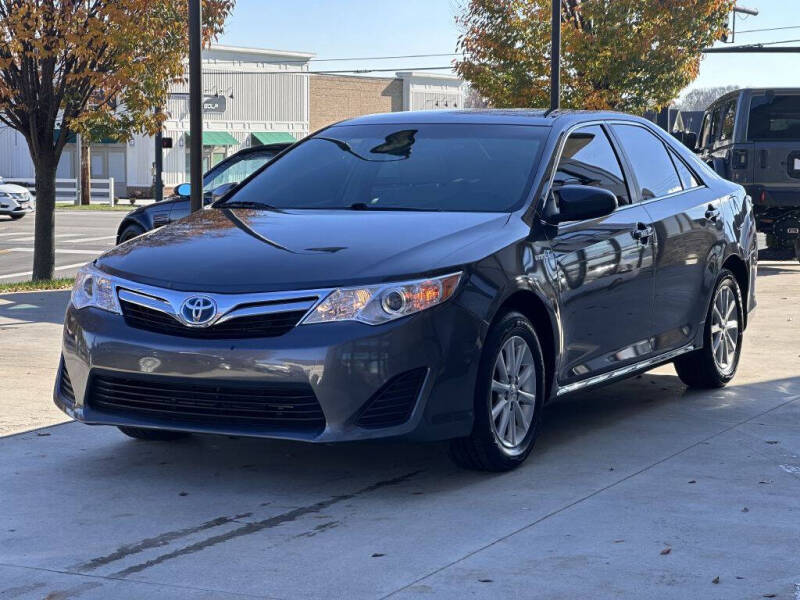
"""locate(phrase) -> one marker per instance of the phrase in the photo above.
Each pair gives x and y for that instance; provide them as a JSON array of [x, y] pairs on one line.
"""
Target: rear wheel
[[15, 217], [714, 365], [153, 435], [130, 232], [508, 399]]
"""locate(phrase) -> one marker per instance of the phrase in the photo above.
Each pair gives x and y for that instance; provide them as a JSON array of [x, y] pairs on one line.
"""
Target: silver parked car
[[15, 200]]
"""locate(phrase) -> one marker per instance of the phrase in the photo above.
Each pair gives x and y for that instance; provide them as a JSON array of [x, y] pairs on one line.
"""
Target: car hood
[[10, 188], [239, 250]]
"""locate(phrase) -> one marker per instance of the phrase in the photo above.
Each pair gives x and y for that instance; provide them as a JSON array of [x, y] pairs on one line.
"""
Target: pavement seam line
[[135, 581], [584, 498]]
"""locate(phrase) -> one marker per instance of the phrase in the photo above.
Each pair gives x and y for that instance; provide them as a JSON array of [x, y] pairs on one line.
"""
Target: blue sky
[[365, 28]]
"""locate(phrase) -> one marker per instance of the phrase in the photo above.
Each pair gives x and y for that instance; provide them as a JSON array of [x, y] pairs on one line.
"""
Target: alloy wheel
[[513, 393], [724, 330]]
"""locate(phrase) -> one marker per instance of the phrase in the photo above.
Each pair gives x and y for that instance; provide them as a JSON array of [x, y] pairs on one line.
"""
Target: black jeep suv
[[752, 137]]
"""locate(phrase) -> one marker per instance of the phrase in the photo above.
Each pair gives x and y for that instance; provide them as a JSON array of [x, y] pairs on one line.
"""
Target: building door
[[108, 160]]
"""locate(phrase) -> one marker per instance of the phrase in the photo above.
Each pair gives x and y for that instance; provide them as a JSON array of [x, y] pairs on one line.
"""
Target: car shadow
[[33, 307], [270, 465]]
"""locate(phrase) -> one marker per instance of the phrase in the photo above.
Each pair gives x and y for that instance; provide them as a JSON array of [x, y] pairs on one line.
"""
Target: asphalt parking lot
[[80, 236], [637, 490]]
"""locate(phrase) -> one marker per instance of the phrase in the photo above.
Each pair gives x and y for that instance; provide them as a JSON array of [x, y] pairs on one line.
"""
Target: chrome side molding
[[623, 371]]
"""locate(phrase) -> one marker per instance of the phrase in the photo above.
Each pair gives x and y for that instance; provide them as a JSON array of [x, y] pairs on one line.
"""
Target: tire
[[488, 447], [16, 217], [772, 242], [797, 249], [131, 231], [707, 368], [153, 435]]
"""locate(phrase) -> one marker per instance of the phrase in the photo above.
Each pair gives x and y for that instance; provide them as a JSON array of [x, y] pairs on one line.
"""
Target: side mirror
[[219, 191], [582, 202], [184, 190], [690, 140]]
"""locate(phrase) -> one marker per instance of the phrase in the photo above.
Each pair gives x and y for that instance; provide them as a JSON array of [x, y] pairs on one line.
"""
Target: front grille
[[254, 326], [291, 407], [394, 402], [65, 384]]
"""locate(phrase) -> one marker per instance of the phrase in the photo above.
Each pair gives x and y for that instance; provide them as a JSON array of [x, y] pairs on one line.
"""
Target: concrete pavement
[[637, 490], [80, 236]]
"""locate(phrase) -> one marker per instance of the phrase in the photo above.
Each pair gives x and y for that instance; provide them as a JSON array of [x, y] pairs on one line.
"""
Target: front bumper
[[14, 208], [345, 364]]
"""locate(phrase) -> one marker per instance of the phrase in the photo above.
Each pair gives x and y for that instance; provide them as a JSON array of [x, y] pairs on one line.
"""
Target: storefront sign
[[214, 104]]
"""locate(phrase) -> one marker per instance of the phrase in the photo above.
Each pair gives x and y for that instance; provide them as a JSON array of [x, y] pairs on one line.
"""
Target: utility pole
[[555, 56], [195, 105], [158, 183]]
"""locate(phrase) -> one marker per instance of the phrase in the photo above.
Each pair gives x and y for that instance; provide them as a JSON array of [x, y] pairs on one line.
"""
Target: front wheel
[[130, 232], [153, 435], [16, 217], [508, 398], [714, 365]]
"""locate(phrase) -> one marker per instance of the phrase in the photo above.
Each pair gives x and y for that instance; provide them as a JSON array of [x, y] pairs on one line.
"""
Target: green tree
[[629, 55], [96, 67]]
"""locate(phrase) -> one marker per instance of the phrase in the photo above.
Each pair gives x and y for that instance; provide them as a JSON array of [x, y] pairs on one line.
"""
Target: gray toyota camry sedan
[[433, 275]]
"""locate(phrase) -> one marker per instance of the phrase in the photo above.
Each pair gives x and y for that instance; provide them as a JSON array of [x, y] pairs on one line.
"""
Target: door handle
[[712, 214], [642, 232]]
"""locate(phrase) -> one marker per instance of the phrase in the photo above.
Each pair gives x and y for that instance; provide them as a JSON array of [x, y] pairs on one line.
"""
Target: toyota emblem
[[198, 310]]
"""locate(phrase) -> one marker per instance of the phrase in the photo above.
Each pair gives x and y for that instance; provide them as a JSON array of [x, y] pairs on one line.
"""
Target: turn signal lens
[[381, 303]]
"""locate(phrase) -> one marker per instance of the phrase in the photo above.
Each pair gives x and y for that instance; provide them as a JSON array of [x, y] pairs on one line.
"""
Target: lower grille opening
[[266, 325], [394, 402], [65, 384], [290, 407]]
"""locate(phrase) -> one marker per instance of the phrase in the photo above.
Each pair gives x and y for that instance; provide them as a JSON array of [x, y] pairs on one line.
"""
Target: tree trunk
[[86, 186], [44, 241]]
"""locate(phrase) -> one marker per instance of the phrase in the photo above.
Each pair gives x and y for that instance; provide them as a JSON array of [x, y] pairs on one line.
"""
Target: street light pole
[[195, 106], [555, 56]]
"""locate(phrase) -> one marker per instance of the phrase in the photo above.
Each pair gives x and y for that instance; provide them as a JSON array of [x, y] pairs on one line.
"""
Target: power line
[[210, 72], [767, 29]]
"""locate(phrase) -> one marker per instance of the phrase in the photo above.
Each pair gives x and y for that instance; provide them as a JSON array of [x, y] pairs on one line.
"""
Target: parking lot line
[[92, 239], [63, 250], [27, 273]]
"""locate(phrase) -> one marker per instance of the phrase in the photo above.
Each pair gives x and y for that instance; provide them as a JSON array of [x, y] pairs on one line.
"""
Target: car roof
[[500, 116], [262, 148]]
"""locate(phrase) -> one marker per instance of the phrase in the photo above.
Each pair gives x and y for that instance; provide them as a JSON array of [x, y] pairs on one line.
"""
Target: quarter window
[[589, 159], [650, 162], [688, 179]]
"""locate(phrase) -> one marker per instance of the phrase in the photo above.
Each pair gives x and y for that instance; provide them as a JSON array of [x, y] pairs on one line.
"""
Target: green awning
[[217, 138], [72, 138], [273, 137]]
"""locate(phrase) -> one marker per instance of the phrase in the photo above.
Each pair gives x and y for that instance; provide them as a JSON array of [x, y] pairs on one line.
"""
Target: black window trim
[[669, 151]]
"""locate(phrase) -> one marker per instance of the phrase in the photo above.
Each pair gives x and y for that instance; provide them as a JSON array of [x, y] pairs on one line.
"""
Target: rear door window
[[649, 160], [774, 117], [589, 159]]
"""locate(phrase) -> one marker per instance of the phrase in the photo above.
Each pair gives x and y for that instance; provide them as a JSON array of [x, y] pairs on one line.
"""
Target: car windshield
[[447, 167], [774, 117], [237, 170]]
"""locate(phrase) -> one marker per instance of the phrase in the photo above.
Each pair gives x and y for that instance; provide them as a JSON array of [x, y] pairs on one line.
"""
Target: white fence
[[67, 189]]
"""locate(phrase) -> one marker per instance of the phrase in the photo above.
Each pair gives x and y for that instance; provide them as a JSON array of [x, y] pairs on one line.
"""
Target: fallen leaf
[[772, 441], [378, 555], [183, 494], [715, 580], [745, 509], [486, 580], [692, 481], [769, 595], [666, 550]]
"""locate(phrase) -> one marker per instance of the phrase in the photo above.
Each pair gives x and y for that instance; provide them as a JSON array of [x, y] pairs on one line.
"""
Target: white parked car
[[15, 200]]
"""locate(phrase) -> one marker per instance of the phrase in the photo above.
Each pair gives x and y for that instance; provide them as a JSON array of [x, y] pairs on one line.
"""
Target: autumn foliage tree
[[629, 55], [81, 66]]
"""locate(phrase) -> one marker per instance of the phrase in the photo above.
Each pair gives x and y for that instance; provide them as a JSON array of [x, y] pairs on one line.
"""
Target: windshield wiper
[[247, 204], [365, 206]]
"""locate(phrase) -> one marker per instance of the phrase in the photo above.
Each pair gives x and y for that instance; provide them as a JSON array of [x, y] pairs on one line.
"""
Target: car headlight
[[376, 304], [94, 288]]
